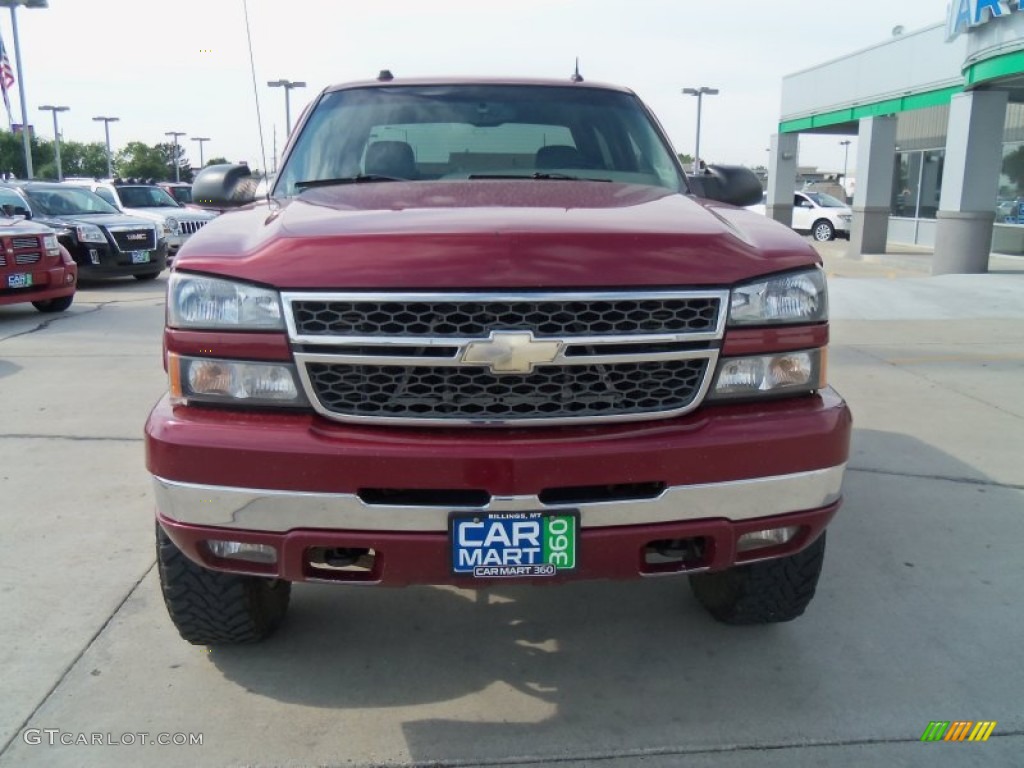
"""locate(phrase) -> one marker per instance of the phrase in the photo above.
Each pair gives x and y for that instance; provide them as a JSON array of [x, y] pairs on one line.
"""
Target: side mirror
[[732, 184], [17, 210], [224, 186]]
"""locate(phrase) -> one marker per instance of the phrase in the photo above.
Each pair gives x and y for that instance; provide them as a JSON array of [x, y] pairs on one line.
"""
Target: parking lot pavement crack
[[97, 307], [590, 758], [74, 661], [944, 478], [74, 438], [50, 321]]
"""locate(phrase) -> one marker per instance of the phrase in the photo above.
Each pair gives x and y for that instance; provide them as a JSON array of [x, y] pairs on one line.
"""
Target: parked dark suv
[[102, 241]]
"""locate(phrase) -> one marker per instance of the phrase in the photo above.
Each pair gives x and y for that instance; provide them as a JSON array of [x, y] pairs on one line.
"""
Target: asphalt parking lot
[[917, 618]]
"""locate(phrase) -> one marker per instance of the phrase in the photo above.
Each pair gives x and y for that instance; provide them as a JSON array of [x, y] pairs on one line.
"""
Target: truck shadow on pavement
[[923, 553]]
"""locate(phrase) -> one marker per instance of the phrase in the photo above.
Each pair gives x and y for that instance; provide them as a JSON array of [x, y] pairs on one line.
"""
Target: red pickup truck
[[481, 332]]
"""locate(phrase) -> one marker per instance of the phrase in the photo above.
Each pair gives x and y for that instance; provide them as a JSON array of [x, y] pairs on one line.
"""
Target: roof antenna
[[255, 90], [576, 76]]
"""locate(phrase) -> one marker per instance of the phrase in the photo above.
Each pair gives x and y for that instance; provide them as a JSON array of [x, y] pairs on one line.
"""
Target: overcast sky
[[184, 65]]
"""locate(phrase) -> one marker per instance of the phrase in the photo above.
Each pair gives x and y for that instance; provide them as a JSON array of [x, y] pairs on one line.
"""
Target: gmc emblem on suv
[[136, 236]]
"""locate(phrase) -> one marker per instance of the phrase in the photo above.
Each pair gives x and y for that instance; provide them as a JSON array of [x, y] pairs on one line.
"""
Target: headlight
[[782, 373], [195, 301], [88, 233], [233, 381], [846, 218], [795, 298], [171, 226], [51, 245]]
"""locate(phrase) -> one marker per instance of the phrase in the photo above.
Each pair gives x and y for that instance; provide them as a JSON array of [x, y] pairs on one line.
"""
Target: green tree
[[12, 154], [167, 150], [217, 161], [139, 160], [685, 159], [80, 159]]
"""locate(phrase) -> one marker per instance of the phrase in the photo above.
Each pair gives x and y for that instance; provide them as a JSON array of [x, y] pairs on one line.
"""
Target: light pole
[[177, 167], [700, 93], [846, 155], [200, 139], [287, 85], [26, 140], [56, 135], [106, 129]]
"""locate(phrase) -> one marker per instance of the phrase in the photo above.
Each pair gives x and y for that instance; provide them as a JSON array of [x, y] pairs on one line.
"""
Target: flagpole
[[29, 173]]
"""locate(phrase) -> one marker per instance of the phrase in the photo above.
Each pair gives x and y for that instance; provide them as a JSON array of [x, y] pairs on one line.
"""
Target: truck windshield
[[473, 131], [67, 201], [145, 197]]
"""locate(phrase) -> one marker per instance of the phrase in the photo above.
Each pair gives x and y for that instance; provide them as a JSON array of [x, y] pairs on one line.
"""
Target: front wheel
[[762, 593], [214, 608], [823, 231], [54, 305]]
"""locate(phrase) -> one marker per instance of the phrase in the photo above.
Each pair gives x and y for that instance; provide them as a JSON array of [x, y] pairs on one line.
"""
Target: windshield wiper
[[538, 175], [357, 179]]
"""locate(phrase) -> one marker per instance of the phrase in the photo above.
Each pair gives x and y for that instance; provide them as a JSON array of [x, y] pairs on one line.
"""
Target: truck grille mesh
[[451, 319], [549, 392]]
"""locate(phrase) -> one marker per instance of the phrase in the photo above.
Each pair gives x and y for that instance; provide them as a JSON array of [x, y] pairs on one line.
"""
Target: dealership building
[[939, 118]]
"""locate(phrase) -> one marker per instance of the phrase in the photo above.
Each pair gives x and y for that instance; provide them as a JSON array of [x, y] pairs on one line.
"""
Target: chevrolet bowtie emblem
[[511, 352]]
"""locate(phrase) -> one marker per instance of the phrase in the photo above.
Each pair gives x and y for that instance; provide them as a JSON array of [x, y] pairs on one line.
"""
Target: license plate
[[20, 280], [140, 257], [513, 544]]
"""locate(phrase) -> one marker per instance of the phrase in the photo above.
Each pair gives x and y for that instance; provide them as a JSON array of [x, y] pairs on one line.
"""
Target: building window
[[917, 183], [1010, 196]]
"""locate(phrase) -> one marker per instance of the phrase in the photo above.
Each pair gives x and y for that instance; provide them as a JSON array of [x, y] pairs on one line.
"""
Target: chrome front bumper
[[279, 511]]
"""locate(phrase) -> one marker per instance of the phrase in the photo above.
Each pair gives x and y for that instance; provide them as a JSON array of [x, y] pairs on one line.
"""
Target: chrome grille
[[493, 359], [24, 242], [21, 259], [464, 319], [134, 239], [191, 227], [550, 392], [3, 260]]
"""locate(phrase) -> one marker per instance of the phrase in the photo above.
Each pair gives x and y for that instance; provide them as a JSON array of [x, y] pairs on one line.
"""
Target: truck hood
[[492, 234]]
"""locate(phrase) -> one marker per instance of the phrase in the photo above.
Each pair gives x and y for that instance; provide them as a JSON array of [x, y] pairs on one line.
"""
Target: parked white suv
[[823, 216], [151, 202]]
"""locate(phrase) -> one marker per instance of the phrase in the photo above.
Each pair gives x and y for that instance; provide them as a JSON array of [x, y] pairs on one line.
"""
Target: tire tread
[[762, 593], [213, 608]]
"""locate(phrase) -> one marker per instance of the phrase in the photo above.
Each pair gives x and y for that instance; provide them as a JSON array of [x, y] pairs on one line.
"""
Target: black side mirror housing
[[732, 184], [17, 210], [224, 186]]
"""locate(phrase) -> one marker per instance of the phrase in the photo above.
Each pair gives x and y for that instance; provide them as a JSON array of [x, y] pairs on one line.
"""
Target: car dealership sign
[[964, 14]]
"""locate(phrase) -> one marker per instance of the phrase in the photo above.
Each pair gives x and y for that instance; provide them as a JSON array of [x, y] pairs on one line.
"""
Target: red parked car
[[33, 265], [487, 332]]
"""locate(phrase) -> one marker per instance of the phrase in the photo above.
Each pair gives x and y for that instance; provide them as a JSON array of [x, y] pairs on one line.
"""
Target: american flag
[[6, 78]]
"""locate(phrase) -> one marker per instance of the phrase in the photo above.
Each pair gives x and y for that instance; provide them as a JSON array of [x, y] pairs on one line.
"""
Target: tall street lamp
[[177, 167], [700, 93], [106, 129], [56, 136], [287, 85], [846, 155], [200, 139], [25, 138]]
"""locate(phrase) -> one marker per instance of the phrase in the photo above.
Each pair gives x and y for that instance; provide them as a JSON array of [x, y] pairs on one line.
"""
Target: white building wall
[[910, 63]]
